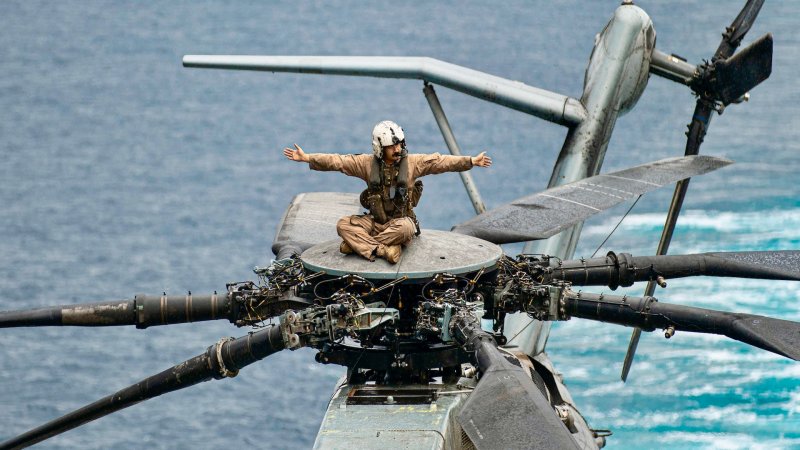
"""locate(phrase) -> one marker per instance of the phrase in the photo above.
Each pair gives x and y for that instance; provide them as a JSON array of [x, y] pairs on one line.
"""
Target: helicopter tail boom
[[544, 104]]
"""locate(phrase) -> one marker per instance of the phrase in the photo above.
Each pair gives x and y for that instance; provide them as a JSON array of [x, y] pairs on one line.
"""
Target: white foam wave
[[616, 388], [706, 389], [730, 414], [732, 230], [728, 441], [717, 220], [618, 418], [793, 405], [749, 373]]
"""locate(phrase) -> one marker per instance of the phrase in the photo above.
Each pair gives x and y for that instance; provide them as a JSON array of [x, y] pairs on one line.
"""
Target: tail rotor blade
[[739, 27], [221, 360], [737, 75]]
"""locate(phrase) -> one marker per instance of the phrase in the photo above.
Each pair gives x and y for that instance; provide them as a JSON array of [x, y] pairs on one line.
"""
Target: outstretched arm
[[482, 160], [296, 154], [436, 163], [352, 165]]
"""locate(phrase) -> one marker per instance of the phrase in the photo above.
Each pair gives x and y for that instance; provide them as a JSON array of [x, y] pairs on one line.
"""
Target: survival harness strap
[[375, 195]]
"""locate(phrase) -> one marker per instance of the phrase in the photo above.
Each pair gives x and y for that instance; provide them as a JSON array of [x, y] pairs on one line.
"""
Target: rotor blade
[[143, 311], [542, 215], [774, 335], [506, 410], [735, 76], [221, 360], [697, 131], [311, 219], [739, 27], [544, 104], [623, 269], [698, 127]]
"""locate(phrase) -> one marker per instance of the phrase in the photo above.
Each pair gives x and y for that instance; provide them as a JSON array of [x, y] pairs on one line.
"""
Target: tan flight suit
[[362, 233]]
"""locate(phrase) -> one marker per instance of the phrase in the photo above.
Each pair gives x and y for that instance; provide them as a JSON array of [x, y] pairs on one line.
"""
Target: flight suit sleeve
[[437, 163], [352, 165]]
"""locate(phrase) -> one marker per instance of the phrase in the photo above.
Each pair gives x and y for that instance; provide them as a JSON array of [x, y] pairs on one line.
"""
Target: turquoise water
[[124, 173], [692, 390]]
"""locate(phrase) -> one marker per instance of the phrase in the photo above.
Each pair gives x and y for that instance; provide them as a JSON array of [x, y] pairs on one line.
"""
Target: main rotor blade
[[506, 410], [143, 311], [774, 335], [542, 215], [221, 360], [311, 219], [623, 269]]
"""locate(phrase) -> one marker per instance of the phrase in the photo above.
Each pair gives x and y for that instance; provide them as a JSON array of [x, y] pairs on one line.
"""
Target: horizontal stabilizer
[[311, 219], [542, 215]]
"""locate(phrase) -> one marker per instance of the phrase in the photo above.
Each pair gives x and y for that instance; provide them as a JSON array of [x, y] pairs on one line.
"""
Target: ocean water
[[123, 172]]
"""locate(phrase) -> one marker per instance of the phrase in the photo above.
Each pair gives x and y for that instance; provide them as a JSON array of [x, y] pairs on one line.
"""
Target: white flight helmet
[[384, 134]]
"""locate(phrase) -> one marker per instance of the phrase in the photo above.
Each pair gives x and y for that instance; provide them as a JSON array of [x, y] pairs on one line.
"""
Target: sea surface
[[121, 172]]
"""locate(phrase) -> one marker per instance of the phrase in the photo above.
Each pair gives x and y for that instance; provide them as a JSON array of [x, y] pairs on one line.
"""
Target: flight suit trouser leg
[[364, 236], [396, 231], [357, 232]]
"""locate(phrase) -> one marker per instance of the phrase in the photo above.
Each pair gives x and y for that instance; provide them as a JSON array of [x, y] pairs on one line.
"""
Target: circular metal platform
[[429, 253]]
